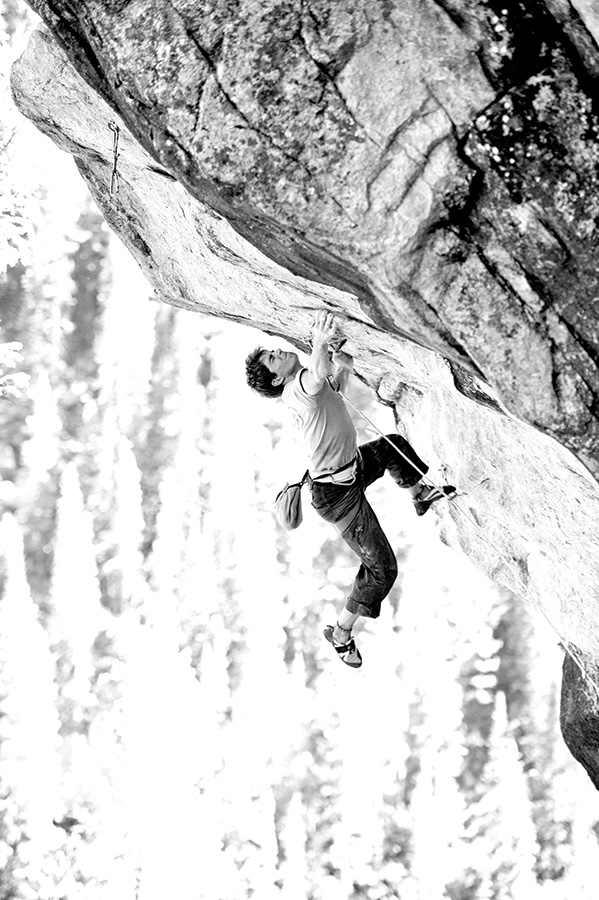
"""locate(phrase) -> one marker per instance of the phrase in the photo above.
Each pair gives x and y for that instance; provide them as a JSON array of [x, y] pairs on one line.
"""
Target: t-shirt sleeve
[[298, 396]]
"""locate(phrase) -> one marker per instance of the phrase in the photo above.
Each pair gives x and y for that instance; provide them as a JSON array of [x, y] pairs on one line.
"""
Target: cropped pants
[[346, 507]]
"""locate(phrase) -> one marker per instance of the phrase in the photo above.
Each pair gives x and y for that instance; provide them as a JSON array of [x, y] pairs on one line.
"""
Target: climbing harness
[[452, 498]]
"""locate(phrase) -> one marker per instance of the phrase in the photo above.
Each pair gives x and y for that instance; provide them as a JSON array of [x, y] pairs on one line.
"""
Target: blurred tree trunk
[[504, 840], [29, 765], [76, 612]]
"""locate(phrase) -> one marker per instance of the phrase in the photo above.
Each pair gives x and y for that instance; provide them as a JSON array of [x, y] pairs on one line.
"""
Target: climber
[[340, 471]]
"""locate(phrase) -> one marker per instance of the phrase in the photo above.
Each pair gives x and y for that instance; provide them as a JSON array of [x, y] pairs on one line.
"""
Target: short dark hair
[[259, 377]]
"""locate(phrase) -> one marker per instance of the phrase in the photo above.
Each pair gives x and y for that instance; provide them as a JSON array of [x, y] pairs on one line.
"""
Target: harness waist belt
[[344, 475]]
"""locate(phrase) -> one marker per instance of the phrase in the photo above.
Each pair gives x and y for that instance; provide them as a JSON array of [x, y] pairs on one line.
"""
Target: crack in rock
[[234, 106], [328, 78]]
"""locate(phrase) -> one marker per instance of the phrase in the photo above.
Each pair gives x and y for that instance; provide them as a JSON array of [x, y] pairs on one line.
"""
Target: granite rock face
[[579, 713], [427, 171]]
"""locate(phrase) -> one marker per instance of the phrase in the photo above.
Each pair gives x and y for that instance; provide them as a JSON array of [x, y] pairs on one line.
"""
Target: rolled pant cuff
[[417, 478], [370, 612]]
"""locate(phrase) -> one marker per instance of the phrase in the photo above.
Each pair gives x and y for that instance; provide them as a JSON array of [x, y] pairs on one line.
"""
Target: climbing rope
[[333, 382], [452, 498]]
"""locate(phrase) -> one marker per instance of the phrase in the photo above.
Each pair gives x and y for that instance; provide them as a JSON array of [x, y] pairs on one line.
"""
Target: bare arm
[[319, 364]]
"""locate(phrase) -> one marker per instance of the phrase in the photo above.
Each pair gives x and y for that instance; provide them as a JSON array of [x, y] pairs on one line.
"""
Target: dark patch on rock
[[471, 387], [579, 714], [541, 138], [162, 172]]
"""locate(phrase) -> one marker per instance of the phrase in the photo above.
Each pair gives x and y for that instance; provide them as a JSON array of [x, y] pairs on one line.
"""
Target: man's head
[[268, 371]]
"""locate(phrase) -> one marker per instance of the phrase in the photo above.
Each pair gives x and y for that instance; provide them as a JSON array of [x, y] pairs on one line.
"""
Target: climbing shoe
[[430, 494], [348, 652]]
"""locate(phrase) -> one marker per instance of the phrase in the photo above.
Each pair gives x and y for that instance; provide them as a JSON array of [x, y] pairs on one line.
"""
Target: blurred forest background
[[172, 723]]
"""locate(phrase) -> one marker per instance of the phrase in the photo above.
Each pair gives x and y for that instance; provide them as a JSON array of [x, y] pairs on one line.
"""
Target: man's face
[[281, 363]]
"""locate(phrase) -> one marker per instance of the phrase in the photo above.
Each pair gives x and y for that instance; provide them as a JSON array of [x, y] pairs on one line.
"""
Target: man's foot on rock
[[347, 650], [429, 495]]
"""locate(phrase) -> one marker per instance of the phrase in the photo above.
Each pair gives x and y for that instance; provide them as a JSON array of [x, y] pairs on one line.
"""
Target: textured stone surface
[[428, 171], [579, 714], [436, 159]]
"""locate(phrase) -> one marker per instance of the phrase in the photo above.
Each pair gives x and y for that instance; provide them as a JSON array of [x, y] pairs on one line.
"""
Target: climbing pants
[[346, 507]]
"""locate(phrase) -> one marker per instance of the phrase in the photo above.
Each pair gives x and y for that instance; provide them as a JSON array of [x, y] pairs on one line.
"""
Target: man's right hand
[[319, 364], [324, 328]]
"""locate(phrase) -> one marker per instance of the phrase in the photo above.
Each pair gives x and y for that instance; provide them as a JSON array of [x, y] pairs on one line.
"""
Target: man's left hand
[[343, 360]]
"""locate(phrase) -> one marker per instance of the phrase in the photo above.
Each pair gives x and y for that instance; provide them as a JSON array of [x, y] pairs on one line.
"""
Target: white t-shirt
[[328, 432]]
